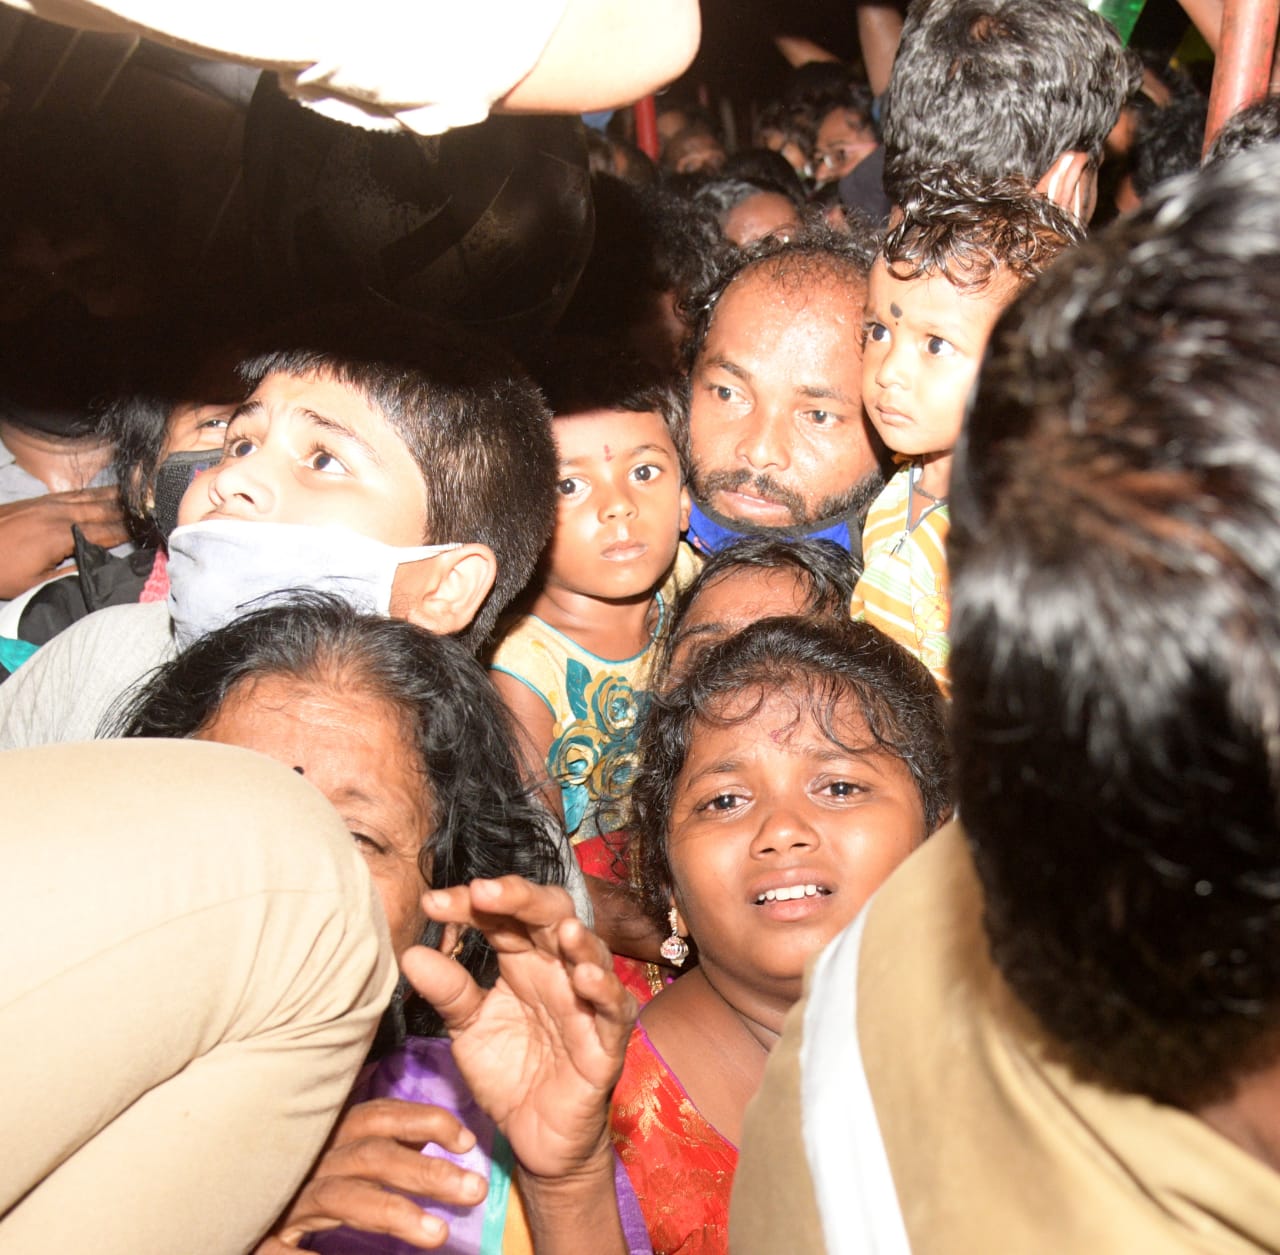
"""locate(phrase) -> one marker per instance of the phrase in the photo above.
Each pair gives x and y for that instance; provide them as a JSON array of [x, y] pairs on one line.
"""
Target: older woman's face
[[356, 751]]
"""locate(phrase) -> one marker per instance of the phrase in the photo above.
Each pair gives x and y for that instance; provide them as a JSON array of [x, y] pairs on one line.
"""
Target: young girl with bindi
[[574, 669], [783, 779]]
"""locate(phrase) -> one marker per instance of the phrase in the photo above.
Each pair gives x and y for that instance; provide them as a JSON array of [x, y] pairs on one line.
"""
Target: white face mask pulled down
[[224, 568]]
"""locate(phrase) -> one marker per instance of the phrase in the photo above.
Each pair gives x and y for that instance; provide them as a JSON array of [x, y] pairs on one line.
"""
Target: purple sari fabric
[[423, 1070]]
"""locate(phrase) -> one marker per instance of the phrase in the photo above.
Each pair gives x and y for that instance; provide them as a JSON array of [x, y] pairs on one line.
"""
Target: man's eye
[[936, 346], [569, 487], [822, 418]]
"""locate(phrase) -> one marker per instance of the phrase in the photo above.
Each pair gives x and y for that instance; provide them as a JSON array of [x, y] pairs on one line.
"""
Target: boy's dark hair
[[1167, 141], [1001, 87], [1115, 628], [854, 96], [817, 252], [1258, 123], [619, 158], [794, 119], [826, 570], [483, 823], [828, 665], [971, 231], [471, 418], [766, 170], [722, 196], [578, 374]]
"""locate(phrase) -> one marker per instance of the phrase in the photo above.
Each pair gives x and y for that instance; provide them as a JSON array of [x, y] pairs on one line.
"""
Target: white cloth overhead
[[422, 65]]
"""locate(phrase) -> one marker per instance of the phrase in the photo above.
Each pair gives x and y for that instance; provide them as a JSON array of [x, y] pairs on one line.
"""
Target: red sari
[[680, 1168]]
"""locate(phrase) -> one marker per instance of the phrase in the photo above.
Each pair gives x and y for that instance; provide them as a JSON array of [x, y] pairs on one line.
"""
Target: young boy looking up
[[380, 455], [960, 254], [574, 670]]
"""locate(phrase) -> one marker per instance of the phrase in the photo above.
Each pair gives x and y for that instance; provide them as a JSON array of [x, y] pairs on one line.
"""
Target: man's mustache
[[762, 485]]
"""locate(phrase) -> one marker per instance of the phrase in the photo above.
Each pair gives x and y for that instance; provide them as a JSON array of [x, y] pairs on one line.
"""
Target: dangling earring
[[675, 949]]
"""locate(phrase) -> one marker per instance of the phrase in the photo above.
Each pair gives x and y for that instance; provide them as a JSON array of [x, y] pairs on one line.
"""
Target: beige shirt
[[994, 1145]]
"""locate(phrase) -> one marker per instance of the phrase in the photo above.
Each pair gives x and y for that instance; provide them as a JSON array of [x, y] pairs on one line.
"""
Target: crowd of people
[[783, 757]]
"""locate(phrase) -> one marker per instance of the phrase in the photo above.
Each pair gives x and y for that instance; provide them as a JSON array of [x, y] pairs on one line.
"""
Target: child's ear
[[1071, 183], [443, 594], [686, 504]]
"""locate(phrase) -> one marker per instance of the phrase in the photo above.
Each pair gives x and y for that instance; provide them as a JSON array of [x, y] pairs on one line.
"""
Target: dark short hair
[[483, 822], [469, 415], [1258, 123], [1001, 87], [723, 195], [971, 231], [767, 171], [136, 426], [1115, 629], [826, 570], [831, 665], [792, 118], [578, 375], [853, 96], [816, 253], [1167, 140]]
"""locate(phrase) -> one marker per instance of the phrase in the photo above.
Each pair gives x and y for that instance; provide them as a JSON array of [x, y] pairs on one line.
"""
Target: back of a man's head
[[1001, 87], [1115, 551]]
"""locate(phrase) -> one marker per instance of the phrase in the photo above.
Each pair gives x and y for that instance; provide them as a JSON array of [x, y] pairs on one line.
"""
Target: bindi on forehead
[[895, 309], [608, 454]]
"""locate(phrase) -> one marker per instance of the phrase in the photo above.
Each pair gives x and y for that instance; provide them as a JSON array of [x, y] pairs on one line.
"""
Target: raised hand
[[543, 1049]]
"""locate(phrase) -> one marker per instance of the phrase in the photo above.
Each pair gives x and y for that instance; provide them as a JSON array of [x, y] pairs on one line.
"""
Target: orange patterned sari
[[680, 1168]]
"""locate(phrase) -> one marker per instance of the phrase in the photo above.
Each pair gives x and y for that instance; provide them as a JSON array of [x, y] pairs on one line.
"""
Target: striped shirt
[[905, 590]]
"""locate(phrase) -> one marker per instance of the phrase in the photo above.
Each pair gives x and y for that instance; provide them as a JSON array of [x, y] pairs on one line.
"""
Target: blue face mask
[[710, 535], [221, 569]]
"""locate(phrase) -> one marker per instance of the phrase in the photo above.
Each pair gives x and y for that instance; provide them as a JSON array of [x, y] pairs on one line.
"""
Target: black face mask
[[172, 481]]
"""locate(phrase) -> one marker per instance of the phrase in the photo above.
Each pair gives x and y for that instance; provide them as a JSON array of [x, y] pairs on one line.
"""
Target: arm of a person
[[798, 50], [577, 1214], [387, 58], [35, 533], [1206, 17], [541, 1050], [879, 31], [534, 727], [606, 53]]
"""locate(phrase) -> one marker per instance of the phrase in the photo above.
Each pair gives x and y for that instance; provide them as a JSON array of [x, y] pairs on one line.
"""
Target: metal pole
[[1242, 72]]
